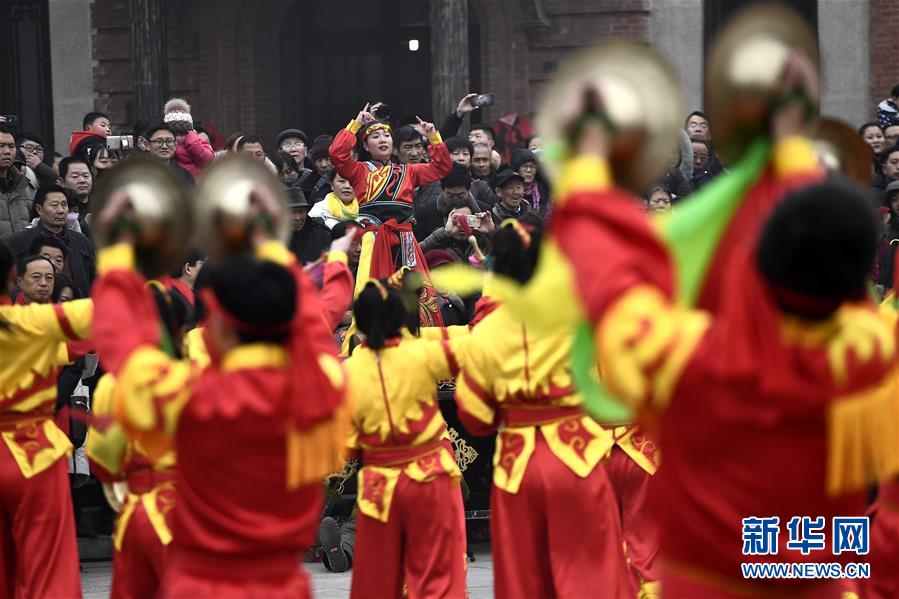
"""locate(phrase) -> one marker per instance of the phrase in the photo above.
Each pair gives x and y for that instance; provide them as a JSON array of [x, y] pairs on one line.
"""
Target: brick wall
[[522, 49], [884, 47]]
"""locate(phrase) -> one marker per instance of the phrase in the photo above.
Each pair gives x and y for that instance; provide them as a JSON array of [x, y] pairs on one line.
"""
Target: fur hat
[[320, 147], [177, 114]]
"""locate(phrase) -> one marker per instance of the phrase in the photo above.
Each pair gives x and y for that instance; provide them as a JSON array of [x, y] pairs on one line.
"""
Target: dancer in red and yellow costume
[[385, 191], [554, 521], [788, 379], [411, 523], [143, 529], [38, 553], [240, 526]]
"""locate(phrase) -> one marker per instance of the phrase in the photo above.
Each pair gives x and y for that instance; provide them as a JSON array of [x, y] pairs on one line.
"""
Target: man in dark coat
[[309, 236], [52, 206]]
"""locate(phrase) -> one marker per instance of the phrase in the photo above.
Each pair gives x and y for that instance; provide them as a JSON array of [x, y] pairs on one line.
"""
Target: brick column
[[884, 48], [449, 55]]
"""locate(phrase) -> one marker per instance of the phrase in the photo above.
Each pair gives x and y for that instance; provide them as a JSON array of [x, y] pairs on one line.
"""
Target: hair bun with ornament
[[177, 114]]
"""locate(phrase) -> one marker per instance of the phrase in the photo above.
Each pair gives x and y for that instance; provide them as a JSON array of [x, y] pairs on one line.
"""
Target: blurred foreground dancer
[[143, 529], [554, 524], [267, 414], [411, 523], [789, 380], [38, 553]]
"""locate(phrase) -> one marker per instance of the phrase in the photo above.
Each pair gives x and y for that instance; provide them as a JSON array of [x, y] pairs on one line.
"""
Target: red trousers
[[678, 586], [639, 527], [422, 543], [560, 535], [137, 570], [38, 551], [884, 554]]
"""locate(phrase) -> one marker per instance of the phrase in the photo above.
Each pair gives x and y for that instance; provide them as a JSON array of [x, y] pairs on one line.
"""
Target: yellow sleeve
[[794, 155], [644, 344], [152, 390], [106, 441], [435, 138], [440, 360], [59, 322], [474, 389], [353, 127]]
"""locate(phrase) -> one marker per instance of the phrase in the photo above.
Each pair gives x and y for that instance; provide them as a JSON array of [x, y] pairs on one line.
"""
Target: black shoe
[[329, 535]]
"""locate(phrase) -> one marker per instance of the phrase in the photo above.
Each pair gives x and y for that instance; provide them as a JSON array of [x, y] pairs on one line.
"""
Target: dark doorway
[[25, 66], [336, 55]]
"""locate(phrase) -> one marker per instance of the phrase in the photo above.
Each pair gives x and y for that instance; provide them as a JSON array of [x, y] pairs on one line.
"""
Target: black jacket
[[80, 262], [309, 243]]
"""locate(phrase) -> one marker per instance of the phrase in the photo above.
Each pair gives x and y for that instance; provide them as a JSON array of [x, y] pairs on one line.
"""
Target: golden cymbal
[[160, 213], [744, 73], [236, 198], [638, 96], [840, 148]]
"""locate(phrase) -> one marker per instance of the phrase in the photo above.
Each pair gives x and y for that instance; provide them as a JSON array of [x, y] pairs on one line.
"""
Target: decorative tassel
[[318, 451], [863, 438]]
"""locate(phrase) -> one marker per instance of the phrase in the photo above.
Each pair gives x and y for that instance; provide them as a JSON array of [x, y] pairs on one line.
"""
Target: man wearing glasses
[[160, 143], [296, 143]]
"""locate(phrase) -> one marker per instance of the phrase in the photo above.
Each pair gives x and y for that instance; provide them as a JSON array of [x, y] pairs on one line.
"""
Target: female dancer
[[385, 192], [411, 524], [554, 522]]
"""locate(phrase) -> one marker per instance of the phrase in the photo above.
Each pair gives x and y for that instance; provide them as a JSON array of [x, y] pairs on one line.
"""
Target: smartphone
[[472, 220], [125, 143], [481, 100], [12, 120]]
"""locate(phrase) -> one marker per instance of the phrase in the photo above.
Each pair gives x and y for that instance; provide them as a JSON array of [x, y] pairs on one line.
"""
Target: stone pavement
[[95, 578]]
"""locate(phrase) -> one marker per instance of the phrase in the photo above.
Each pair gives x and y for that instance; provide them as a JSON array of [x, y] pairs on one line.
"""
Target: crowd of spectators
[[46, 197]]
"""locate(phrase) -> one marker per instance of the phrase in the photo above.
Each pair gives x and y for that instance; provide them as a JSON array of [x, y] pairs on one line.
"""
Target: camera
[[481, 100], [124, 143], [380, 111], [12, 120]]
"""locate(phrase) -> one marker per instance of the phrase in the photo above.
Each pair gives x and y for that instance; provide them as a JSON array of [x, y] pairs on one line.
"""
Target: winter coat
[[16, 199], [80, 262], [309, 243], [193, 153], [887, 114]]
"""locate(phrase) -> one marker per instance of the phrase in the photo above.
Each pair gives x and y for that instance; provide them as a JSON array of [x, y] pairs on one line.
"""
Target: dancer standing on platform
[[268, 415], [554, 521], [411, 523], [38, 553], [385, 193]]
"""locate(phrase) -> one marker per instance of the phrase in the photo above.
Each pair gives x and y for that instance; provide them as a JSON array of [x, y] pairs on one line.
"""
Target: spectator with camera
[[464, 234], [38, 172]]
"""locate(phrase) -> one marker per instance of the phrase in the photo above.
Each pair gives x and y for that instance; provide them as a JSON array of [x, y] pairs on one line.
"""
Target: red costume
[[385, 194], [143, 529], [252, 448], [554, 523], [761, 414], [38, 553], [411, 523]]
